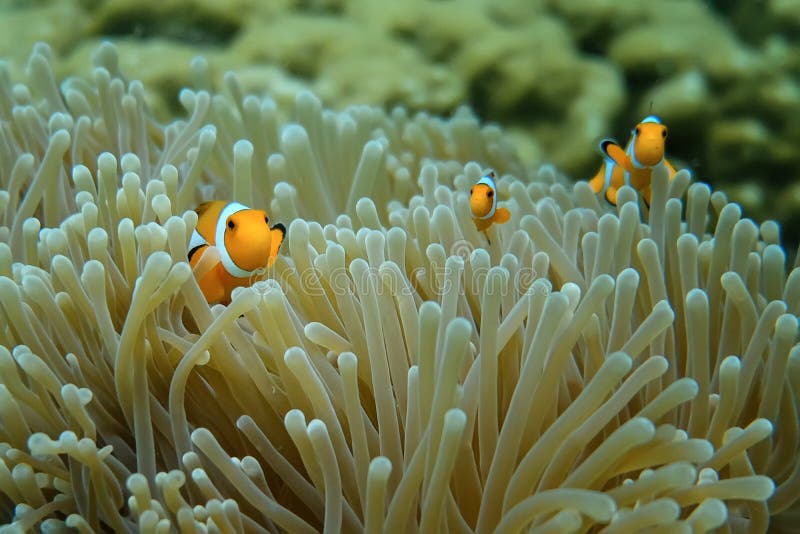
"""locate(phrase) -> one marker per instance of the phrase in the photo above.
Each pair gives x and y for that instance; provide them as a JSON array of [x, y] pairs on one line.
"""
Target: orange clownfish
[[634, 165], [483, 203], [243, 240]]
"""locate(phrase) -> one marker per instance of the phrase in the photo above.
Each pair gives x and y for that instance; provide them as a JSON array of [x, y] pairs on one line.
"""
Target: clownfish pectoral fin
[[203, 260], [207, 270], [279, 229], [604, 144], [614, 152], [278, 232], [501, 215]]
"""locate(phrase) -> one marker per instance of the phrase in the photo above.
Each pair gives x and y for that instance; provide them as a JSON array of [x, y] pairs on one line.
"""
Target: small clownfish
[[244, 241], [483, 203], [634, 165]]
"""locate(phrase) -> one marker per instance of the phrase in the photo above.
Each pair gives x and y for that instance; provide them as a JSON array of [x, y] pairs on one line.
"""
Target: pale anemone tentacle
[[594, 368]]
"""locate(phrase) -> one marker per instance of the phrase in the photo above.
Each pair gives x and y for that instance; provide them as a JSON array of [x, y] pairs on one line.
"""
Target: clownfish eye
[[231, 225], [490, 194], [638, 130], [664, 133], [266, 219], [470, 190]]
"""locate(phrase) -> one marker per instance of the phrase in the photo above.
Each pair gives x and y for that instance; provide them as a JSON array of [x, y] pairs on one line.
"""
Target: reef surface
[[557, 75]]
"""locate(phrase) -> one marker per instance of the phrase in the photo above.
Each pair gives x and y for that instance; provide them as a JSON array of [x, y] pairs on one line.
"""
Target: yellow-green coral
[[559, 75]]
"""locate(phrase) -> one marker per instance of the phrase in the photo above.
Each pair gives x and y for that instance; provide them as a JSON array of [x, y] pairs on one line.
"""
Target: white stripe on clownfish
[[198, 240], [219, 238], [487, 181], [631, 148]]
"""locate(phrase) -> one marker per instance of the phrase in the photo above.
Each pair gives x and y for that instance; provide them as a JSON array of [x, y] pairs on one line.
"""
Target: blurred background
[[558, 75]]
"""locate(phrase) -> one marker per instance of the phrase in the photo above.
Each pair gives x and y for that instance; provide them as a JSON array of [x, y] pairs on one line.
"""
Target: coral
[[560, 74], [587, 368]]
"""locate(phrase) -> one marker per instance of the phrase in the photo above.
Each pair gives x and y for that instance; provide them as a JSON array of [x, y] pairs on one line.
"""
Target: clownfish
[[634, 165], [243, 240], [483, 203]]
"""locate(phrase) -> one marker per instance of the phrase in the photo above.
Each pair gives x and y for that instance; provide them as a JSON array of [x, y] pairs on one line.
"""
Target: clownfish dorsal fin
[[651, 118], [203, 207], [612, 151]]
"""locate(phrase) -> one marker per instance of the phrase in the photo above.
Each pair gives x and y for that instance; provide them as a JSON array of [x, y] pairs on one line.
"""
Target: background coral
[[589, 368], [556, 74]]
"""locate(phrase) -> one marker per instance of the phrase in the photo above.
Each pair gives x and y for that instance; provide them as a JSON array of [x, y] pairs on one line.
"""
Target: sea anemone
[[395, 371]]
